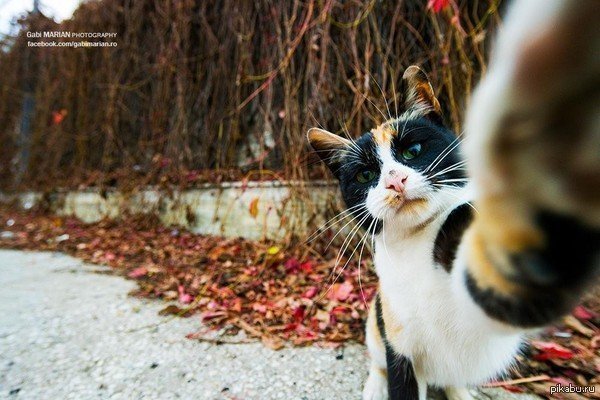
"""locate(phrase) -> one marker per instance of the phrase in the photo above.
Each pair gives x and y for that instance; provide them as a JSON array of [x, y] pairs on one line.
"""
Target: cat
[[470, 263]]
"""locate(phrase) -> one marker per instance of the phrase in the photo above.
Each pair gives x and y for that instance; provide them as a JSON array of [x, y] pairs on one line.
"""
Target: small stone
[[7, 235], [62, 238]]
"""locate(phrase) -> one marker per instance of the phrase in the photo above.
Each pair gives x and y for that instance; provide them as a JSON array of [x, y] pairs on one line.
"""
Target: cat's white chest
[[437, 324]]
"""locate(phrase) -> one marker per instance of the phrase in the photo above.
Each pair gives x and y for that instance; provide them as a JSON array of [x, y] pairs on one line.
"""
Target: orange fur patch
[[393, 329], [384, 133], [507, 225], [373, 328], [483, 269]]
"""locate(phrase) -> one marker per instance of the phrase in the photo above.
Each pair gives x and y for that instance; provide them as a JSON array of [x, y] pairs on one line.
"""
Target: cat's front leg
[[376, 385], [458, 393], [534, 150]]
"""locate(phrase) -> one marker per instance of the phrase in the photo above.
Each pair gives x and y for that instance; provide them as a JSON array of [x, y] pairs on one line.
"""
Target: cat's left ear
[[329, 146], [419, 96]]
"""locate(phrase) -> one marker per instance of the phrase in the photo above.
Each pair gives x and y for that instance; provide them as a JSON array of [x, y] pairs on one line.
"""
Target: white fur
[[450, 341]]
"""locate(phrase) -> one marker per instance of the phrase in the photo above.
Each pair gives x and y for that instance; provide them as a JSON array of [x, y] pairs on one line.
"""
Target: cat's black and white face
[[404, 172]]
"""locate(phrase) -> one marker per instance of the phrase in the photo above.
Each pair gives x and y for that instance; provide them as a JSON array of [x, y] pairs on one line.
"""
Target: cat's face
[[404, 172]]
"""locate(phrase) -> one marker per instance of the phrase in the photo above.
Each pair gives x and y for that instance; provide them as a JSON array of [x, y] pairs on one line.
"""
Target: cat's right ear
[[419, 96], [330, 147]]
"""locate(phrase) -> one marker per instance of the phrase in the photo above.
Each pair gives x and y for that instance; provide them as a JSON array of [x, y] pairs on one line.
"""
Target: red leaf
[[292, 266], [299, 314], [583, 313], [58, 116], [551, 350], [184, 297], [307, 267], [437, 5], [261, 308], [165, 162], [512, 388], [310, 292], [340, 291], [138, 272]]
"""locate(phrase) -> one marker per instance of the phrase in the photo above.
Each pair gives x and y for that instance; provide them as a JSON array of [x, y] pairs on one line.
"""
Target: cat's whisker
[[356, 217], [365, 239], [403, 128], [453, 180], [383, 95], [395, 96], [454, 167], [339, 217], [349, 137], [448, 150], [458, 197], [374, 105], [343, 249], [347, 242]]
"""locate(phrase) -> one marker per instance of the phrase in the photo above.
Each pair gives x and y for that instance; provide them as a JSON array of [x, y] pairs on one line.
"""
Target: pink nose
[[396, 181]]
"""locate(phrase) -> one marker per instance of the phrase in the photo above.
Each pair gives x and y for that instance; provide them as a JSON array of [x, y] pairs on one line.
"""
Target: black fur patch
[[435, 139], [402, 383], [355, 161], [450, 235], [552, 278], [569, 258], [535, 307]]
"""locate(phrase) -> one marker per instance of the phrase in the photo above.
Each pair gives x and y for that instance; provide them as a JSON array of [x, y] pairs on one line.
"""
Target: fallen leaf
[[310, 292], [340, 291], [184, 297], [138, 273], [583, 313], [253, 208], [551, 350]]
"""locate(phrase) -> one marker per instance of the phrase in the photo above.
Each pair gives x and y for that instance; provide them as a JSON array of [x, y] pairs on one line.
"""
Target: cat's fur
[[458, 287]]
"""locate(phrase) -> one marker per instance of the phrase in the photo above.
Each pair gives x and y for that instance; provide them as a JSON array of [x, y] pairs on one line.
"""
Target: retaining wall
[[254, 210]]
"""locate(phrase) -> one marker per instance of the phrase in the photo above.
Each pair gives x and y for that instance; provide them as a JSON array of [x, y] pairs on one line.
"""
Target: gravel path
[[69, 333]]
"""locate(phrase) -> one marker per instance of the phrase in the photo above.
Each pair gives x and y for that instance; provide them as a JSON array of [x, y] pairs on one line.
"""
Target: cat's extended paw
[[376, 386], [533, 134]]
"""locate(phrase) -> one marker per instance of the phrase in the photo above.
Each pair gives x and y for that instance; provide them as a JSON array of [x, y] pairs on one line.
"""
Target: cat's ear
[[419, 97], [329, 146]]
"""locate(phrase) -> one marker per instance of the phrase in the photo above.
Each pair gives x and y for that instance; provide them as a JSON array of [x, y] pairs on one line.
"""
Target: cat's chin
[[408, 213], [398, 204]]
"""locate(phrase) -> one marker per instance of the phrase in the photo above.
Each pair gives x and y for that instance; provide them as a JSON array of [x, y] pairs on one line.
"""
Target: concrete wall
[[253, 210]]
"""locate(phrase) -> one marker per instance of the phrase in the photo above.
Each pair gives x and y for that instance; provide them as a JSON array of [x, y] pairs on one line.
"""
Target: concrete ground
[[67, 332]]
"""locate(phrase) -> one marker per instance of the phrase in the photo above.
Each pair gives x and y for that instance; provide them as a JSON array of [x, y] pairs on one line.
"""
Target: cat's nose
[[396, 181]]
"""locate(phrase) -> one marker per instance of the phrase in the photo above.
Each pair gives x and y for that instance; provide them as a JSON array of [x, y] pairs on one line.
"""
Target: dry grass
[[219, 84]]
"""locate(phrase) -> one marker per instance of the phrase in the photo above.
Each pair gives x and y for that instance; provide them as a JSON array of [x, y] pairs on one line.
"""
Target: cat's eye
[[366, 176], [411, 151]]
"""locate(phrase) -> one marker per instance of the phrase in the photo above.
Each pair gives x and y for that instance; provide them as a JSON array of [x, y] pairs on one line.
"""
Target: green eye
[[411, 151], [366, 176]]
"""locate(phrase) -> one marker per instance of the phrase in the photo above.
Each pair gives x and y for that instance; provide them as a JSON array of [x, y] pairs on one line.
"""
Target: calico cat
[[406, 182], [470, 263]]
